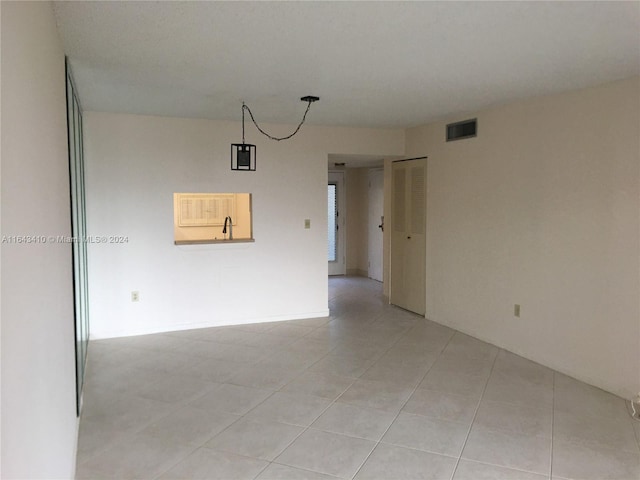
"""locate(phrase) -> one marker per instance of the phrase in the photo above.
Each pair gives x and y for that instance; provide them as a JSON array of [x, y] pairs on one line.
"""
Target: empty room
[[320, 240]]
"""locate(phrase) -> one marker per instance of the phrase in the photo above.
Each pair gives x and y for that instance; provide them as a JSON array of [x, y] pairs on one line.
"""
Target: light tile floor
[[372, 392]]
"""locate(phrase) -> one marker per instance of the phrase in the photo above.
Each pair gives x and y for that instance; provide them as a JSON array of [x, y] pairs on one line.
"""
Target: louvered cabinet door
[[408, 235]]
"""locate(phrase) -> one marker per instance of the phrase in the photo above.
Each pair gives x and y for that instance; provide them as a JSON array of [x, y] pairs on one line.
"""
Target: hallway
[[372, 392]]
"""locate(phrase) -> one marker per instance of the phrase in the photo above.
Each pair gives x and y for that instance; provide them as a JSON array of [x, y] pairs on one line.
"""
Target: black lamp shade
[[243, 156]]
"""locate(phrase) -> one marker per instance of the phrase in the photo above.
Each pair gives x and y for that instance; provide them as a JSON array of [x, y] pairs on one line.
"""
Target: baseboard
[[195, 326], [545, 362], [355, 272]]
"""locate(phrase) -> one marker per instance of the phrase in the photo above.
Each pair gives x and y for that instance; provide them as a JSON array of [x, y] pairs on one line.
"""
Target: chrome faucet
[[224, 230]]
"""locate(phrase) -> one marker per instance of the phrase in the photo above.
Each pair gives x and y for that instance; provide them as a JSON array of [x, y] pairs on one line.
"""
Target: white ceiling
[[377, 64]]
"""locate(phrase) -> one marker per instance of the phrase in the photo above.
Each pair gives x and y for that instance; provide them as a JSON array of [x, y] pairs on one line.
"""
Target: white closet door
[[408, 235], [376, 219]]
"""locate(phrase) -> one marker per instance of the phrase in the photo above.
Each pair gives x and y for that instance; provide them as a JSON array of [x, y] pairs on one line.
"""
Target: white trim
[[195, 326]]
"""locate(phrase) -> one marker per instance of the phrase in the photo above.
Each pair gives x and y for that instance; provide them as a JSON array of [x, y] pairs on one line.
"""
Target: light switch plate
[[307, 223]]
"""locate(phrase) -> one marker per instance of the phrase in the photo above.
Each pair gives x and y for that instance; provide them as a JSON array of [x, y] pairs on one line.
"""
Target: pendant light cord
[[277, 139], [243, 107]]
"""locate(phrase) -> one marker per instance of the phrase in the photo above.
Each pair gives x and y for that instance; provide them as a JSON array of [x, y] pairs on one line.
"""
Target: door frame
[[339, 267]]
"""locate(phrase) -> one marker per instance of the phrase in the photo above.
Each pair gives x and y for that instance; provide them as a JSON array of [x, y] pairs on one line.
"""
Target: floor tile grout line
[[135, 431], [600, 446], [503, 431], [305, 470], [520, 405], [191, 452], [406, 401], [516, 469], [384, 351], [382, 319], [304, 428], [240, 418], [475, 414], [262, 470], [336, 399]]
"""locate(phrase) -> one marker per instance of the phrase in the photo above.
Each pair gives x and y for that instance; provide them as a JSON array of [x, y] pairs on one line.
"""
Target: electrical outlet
[[307, 223], [135, 296], [516, 310]]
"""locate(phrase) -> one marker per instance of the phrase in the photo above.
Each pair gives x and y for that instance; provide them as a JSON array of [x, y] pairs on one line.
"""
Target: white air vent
[[464, 129]]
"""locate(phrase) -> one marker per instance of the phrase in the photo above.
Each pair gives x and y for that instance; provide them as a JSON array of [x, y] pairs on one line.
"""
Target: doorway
[[336, 256]]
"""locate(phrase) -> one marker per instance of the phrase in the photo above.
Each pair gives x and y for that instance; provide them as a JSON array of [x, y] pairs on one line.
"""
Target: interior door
[[376, 222], [336, 224], [408, 235]]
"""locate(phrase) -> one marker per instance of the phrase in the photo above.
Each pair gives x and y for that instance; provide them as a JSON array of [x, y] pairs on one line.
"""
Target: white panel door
[[336, 224], [408, 235], [376, 222]]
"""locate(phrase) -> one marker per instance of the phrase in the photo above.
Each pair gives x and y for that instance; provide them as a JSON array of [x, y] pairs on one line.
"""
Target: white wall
[[357, 187], [136, 163], [542, 209], [39, 427]]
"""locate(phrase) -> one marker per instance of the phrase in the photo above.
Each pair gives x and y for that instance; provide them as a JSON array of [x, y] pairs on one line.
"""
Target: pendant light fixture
[[243, 155]]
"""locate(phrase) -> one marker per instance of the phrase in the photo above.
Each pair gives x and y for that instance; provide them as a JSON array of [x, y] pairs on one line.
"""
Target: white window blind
[[205, 210]]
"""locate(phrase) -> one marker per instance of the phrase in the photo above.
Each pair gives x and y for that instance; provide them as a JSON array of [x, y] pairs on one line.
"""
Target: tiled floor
[[373, 392]]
